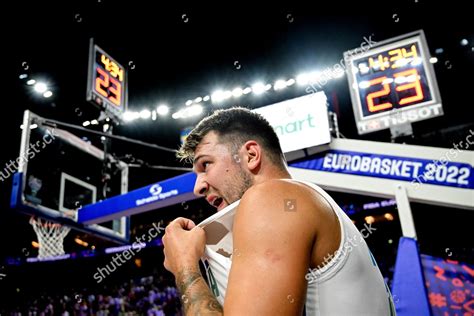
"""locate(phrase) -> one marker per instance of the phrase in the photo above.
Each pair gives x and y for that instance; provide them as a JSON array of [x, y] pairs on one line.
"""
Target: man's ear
[[253, 154]]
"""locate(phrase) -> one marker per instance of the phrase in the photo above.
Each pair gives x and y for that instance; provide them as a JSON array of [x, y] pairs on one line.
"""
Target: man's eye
[[204, 164]]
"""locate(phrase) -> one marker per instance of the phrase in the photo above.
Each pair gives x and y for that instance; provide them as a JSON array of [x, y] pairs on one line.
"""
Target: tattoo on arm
[[195, 294]]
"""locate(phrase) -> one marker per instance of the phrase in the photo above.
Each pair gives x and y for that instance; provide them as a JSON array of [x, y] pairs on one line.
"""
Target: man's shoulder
[[280, 201], [287, 190], [276, 186]]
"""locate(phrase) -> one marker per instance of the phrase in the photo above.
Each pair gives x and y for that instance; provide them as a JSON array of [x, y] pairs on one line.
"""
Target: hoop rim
[[40, 221]]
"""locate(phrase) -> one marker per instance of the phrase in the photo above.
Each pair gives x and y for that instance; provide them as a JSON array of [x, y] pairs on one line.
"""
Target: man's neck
[[272, 174]]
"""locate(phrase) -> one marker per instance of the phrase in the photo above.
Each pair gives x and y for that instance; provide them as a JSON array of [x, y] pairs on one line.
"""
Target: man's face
[[221, 177]]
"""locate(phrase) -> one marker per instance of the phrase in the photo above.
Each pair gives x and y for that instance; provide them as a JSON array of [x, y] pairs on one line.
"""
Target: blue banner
[[450, 286], [417, 171], [174, 190]]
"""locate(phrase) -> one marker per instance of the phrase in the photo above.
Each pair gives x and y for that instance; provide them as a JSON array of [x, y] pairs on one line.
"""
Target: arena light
[[187, 112], [237, 92], [258, 88], [196, 109], [40, 87], [162, 110], [129, 116], [227, 94], [81, 242], [369, 219], [217, 96], [86, 123], [145, 114], [31, 82], [433, 60], [302, 79], [47, 94], [138, 262], [315, 76], [279, 85]]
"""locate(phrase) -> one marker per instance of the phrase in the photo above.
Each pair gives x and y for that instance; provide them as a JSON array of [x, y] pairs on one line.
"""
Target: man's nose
[[200, 187]]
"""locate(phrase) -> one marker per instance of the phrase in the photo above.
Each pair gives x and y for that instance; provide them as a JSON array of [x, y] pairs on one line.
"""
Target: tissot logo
[[156, 189]]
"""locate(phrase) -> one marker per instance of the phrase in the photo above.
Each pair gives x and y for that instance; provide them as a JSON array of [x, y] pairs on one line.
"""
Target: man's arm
[[273, 233], [196, 296]]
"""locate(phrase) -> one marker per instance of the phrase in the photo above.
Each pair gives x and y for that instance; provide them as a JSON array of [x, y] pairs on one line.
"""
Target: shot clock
[[392, 83], [107, 83]]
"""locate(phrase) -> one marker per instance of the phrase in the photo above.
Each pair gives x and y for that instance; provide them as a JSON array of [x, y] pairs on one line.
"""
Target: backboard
[[61, 171]]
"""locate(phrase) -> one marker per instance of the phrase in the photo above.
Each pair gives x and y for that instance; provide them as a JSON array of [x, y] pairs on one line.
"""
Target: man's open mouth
[[217, 202]]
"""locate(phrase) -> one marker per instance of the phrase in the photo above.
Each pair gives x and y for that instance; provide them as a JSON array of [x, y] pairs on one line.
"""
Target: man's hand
[[183, 245]]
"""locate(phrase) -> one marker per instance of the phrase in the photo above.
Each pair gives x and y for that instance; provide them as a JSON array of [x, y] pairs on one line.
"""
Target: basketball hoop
[[50, 237]]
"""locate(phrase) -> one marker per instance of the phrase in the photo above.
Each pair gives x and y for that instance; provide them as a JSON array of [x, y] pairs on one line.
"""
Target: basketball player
[[269, 233]]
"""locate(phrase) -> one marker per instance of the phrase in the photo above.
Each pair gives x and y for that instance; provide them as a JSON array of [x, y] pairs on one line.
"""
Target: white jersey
[[349, 284]]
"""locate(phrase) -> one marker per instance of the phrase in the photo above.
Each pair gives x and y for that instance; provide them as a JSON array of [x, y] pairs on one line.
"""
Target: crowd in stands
[[150, 295]]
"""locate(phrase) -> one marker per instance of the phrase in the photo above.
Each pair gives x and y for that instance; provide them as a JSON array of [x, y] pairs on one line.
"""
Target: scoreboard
[[392, 83], [107, 83]]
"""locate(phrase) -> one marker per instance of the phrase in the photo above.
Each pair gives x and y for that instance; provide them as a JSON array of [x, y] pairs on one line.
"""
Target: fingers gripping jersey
[[218, 252]]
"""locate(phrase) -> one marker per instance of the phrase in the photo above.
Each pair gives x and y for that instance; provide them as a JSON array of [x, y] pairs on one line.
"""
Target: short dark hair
[[234, 126]]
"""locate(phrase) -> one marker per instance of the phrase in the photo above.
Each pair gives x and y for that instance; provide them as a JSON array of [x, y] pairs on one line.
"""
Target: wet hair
[[234, 127]]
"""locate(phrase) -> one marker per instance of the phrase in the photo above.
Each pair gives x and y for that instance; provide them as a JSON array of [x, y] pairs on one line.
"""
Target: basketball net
[[50, 237]]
